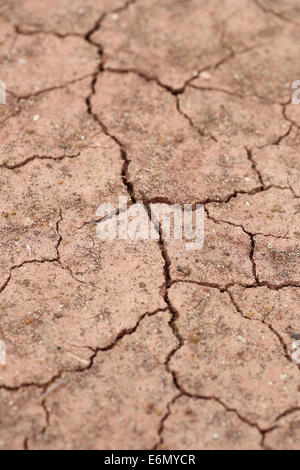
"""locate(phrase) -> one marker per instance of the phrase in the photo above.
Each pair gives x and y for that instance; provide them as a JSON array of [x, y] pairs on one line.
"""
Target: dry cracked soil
[[123, 344]]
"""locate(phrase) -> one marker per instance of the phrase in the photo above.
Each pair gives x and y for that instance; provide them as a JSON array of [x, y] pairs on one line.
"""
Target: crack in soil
[[32, 261], [17, 266], [271, 328], [273, 12], [254, 166], [167, 262], [183, 391], [251, 234], [130, 191], [37, 157], [46, 90], [220, 402], [52, 384], [175, 91], [180, 342], [190, 121], [159, 443], [252, 248]]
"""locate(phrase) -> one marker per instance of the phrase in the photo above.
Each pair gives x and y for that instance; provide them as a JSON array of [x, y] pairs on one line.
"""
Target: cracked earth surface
[[144, 345]]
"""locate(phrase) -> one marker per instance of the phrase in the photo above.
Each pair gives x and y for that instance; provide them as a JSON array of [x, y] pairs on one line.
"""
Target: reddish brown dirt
[[145, 345]]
